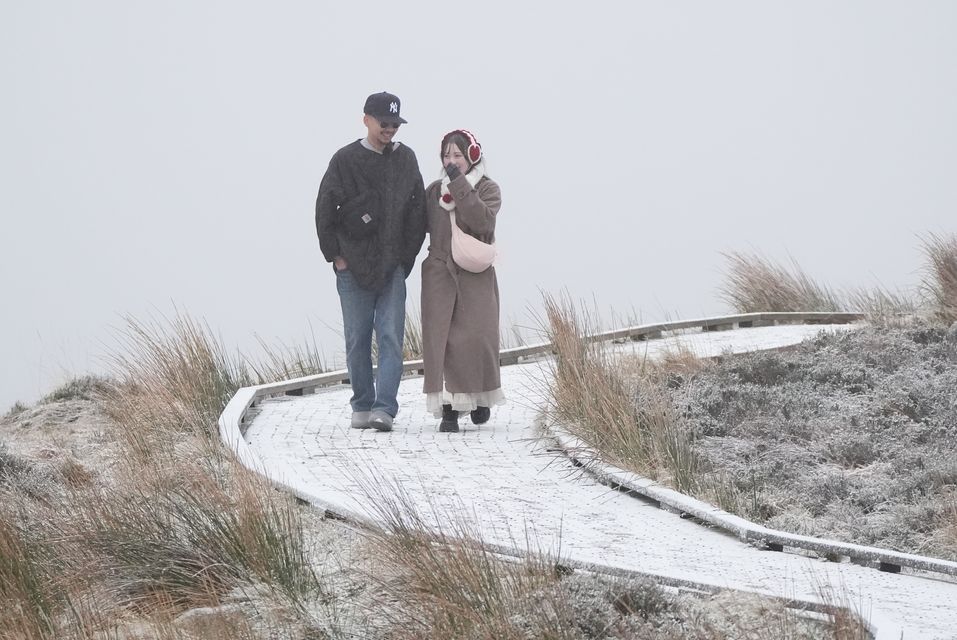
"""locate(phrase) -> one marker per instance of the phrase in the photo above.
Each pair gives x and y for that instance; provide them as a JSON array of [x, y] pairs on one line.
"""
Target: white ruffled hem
[[463, 401]]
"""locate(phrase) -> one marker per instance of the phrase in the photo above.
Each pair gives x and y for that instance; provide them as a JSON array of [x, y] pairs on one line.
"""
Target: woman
[[460, 308]]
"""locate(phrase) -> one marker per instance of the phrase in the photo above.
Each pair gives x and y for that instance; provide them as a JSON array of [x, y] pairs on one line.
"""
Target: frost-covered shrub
[[598, 607], [850, 450], [850, 435], [951, 336], [588, 606], [20, 475]]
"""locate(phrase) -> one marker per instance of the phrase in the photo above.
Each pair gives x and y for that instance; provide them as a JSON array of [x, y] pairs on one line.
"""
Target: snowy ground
[[512, 490]]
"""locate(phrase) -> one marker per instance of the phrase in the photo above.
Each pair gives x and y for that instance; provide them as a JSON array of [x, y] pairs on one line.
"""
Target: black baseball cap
[[385, 107]]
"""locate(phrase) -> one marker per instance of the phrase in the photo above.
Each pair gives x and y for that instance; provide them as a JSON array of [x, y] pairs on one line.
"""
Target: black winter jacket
[[400, 198]]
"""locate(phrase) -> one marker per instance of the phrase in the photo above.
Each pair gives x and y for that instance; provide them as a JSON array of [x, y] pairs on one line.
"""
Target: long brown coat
[[460, 331]]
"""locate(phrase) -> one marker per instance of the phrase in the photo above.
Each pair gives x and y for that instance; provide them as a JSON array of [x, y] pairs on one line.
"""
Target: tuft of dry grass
[[75, 474], [286, 362], [208, 514], [629, 418], [883, 308], [673, 364], [169, 539], [755, 284], [446, 583], [26, 600], [180, 524], [178, 377], [514, 337], [586, 391], [673, 457], [450, 584], [947, 527], [411, 337], [108, 558], [846, 618], [939, 283], [191, 543]]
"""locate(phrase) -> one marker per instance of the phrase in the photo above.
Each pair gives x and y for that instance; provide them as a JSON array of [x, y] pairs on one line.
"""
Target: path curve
[[510, 488]]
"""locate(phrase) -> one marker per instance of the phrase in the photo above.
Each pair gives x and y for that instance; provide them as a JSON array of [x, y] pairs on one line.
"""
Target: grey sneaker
[[360, 419], [381, 421]]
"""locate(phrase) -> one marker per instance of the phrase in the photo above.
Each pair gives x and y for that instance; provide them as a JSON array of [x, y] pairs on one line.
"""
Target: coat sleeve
[[476, 207], [327, 204], [415, 222]]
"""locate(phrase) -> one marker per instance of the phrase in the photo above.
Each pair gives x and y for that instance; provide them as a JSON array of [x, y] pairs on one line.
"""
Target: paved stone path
[[511, 490]]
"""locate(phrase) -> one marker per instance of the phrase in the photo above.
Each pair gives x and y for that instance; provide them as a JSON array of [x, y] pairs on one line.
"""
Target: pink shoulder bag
[[469, 252]]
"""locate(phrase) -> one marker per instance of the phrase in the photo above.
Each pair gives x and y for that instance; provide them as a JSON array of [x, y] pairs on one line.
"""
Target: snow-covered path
[[514, 492]]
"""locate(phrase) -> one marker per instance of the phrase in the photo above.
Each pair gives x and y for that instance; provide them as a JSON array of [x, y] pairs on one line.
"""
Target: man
[[370, 217]]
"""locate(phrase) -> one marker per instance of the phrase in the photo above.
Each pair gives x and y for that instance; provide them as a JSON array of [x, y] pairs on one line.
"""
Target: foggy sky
[[161, 154]]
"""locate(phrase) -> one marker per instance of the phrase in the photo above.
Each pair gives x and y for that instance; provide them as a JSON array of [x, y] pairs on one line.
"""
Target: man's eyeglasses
[[389, 125]]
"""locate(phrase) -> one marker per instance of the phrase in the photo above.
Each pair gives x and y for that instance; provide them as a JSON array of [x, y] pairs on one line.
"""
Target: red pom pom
[[446, 198]]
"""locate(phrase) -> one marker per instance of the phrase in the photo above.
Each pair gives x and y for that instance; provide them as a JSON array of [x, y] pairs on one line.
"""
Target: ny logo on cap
[[393, 107]]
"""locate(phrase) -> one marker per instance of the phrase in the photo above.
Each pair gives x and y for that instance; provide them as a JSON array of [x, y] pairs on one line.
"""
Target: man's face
[[380, 133]]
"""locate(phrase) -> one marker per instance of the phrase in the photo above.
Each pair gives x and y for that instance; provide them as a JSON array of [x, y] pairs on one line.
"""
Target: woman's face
[[452, 155]]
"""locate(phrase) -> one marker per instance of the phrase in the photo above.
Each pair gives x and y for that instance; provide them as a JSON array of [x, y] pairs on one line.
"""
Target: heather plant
[[755, 284], [849, 436]]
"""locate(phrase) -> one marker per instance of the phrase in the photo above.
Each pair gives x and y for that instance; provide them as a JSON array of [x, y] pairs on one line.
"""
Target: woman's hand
[[452, 171]]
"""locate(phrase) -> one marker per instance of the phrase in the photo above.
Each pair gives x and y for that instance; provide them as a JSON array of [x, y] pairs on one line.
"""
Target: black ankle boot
[[480, 415], [450, 420]]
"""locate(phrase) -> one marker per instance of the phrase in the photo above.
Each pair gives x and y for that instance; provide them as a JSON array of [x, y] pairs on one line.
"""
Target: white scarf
[[473, 176]]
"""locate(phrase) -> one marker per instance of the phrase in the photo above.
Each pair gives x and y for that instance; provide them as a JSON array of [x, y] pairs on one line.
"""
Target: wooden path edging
[[233, 417], [242, 400], [772, 539]]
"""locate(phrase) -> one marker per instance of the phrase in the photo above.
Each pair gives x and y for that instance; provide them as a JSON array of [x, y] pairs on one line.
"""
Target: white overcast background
[[162, 155]]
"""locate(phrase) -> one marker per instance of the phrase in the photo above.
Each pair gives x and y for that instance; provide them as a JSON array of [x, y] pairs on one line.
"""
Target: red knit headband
[[474, 152]]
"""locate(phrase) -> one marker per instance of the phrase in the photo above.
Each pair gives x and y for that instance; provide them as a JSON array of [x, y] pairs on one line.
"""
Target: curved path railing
[[772, 539], [234, 416]]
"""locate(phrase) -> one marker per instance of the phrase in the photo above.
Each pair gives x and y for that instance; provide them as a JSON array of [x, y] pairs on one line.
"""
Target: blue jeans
[[363, 311]]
